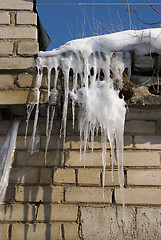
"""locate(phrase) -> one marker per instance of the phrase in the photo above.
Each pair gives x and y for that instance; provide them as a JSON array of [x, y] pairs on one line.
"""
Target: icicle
[[48, 108], [73, 91], [36, 146], [92, 128], [49, 131], [49, 80], [119, 153], [37, 96], [98, 100], [111, 138], [80, 133], [65, 107], [104, 155], [47, 120], [35, 128], [30, 108], [52, 102]]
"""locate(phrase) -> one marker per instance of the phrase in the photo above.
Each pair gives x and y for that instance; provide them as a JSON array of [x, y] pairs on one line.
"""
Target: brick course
[[89, 177], [144, 177], [28, 48], [16, 63], [64, 176], [144, 196], [86, 194], [4, 18], [40, 231], [17, 5], [26, 18], [28, 32]]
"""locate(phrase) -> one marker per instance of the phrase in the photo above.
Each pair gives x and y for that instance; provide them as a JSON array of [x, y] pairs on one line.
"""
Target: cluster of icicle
[[100, 108]]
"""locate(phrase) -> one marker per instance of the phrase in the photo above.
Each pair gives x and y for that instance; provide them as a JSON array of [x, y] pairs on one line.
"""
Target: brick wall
[[18, 48], [63, 199]]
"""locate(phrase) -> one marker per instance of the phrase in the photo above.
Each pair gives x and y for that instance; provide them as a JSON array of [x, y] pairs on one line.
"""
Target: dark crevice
[[63, 232], [155, 89], [10, 232]]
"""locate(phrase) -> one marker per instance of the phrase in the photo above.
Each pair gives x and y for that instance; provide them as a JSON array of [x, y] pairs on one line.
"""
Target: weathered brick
[[158, 126], [139, 196], [24, 175], [143, 64], [136, 126], [144, 177], [34, 231], [17, 63], [10, 32], [55, 142], [28, 48], [108, 178], [148, 142], [4, 231], [14, 97], [73, 142], [89, 177], [9, 195], [16, 5], [64, 175], [26, 18], [88, 194], [143, 114], [4, 18], [6, 48], [71, 231], [54, 159], [56, 233], [16, 212], [58, 212], [45, 176], [41, 127], [128, 142], [141, 159], [6, 82], [25, 80], [98, 144], [36, 193], [92, 159], [21, 143], [70, 130]]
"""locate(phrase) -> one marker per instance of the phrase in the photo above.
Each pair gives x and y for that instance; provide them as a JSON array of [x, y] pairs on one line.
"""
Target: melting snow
[[97, 97]]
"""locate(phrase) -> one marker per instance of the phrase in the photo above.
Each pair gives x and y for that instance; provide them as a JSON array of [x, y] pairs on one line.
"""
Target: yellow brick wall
[[65, 191], [18, 49]]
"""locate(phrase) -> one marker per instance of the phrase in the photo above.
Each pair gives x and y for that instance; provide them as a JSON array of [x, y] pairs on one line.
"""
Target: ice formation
[[97, 64]]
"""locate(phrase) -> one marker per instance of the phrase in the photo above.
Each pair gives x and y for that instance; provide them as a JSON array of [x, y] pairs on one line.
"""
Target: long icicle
[[49, 131]]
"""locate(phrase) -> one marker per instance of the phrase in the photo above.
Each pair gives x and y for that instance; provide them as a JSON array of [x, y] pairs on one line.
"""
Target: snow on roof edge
[[142, 42]]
